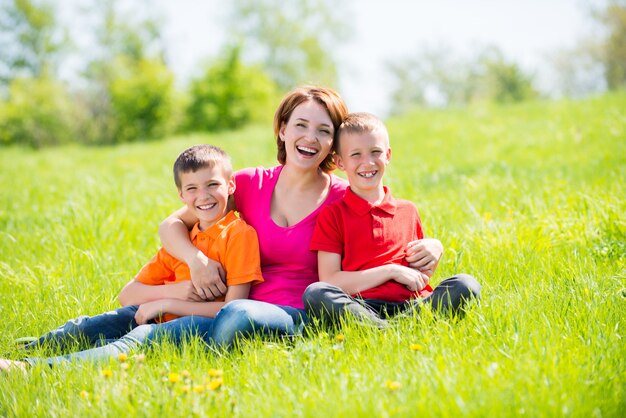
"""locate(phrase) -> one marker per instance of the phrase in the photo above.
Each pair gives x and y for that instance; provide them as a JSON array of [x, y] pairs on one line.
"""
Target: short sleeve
[[242, 262], [158, 270], [243, 181], [328, 234]]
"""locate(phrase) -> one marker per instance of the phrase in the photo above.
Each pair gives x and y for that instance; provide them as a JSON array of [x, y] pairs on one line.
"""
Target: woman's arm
[[351, 282], [151, 310], [424, 255], [207, 275]]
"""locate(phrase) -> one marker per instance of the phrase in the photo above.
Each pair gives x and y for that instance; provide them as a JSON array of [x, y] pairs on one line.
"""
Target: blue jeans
[[115, 331], [237, 319]]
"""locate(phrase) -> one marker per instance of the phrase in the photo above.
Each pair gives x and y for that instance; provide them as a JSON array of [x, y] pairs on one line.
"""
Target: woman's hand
[[208, 277], [424, 255]]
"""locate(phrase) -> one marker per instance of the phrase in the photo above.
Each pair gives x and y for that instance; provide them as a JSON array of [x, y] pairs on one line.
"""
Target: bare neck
[[302, 179]]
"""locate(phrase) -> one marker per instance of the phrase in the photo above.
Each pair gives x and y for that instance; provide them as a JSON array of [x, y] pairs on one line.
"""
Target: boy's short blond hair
[[359, 123], [202, 156]]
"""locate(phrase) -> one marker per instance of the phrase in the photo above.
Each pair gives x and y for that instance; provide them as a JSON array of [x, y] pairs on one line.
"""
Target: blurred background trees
[[98, 73]]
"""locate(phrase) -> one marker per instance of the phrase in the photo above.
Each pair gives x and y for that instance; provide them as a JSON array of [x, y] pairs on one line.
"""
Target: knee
[[315, 294], [237, 315], [468, 286]]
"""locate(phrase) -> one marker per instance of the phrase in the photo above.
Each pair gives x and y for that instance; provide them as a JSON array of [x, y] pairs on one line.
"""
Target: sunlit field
[[530, 199]]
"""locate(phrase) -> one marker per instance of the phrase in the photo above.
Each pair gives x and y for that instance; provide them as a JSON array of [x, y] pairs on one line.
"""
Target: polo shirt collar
[[214, 231], [361, 206]]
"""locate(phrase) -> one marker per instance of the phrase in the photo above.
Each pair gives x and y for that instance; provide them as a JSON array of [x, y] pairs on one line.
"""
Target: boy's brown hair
[[359, 123], [202, 156]]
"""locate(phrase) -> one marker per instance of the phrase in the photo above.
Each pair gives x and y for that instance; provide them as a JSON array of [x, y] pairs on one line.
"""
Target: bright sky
[[527, 31]]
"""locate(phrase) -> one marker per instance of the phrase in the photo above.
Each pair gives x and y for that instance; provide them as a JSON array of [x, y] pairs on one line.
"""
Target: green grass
[[530, 199]]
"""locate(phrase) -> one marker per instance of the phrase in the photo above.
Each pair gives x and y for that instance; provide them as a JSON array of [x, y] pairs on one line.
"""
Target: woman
[[282, 204]]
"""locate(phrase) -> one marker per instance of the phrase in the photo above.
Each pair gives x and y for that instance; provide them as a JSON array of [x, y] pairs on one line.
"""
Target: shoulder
[[252, 178], [338, 187], [238, 226], [331, 212]]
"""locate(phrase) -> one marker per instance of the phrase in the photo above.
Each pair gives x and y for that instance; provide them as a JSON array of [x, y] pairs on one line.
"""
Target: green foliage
[[229, 95], [505, 82], [31, 40], [529, 198], [614, 56], [39, 112], [130, 91], [142, 101], [292, 40], [437, 77]]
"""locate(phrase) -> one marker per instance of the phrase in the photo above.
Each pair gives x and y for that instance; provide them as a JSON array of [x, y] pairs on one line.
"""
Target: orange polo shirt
[[231, 242]]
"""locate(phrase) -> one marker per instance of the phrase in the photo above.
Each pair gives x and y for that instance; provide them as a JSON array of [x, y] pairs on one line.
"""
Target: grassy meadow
[[530, 199]]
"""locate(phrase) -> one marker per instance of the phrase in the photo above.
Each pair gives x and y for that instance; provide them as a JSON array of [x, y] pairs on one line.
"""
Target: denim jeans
[[115, 331], [330, 303], [237, 319]]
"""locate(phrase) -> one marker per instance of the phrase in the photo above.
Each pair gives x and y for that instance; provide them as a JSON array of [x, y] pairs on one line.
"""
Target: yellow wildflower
[[215, 372], [173, 377], [84, 394], [393, 385], [106, 373], [215, 383], [340, 337], [198, 389], [122, 357], [416, 347]]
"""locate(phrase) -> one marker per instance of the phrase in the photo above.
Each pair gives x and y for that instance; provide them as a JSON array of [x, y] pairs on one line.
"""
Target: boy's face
[[205, 192], [363, 156]]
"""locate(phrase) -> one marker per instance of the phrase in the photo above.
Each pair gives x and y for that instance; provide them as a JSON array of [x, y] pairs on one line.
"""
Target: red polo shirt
[[368, 236]]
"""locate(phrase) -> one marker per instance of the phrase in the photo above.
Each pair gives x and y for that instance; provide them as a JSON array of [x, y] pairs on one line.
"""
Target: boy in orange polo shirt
[[203, 176], [373, 260]]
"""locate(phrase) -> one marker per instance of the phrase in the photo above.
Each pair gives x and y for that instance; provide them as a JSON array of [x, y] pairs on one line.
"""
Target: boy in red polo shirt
[[369, 244], [162, 290]]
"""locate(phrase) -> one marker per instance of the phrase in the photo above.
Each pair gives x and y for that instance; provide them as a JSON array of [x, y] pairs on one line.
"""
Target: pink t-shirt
[[287, 264]]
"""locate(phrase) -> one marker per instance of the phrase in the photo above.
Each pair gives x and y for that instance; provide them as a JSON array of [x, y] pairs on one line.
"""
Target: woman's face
[[308, 135]]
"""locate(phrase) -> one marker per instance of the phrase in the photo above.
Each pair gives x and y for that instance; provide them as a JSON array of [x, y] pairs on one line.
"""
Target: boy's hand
[[208, 277], [424, 255], [150, 310], [184, 291], [412, 279]]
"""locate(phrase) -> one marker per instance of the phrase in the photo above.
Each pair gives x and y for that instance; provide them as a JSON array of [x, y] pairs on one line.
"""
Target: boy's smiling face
[[364, 157], [206, 192]]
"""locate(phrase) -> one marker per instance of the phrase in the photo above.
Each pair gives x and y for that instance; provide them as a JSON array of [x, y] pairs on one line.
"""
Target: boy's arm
[[151, 310], [136, 293], [352, 282], [207, 275], [424, 255]]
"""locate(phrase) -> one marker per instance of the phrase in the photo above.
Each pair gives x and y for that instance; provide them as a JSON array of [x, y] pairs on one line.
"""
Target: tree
[[438, 77], [614, 45], [39, 112], [130, 89], [229, 94], [293, 41], [31, 40]]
